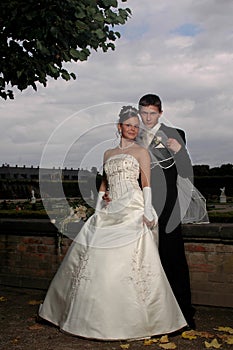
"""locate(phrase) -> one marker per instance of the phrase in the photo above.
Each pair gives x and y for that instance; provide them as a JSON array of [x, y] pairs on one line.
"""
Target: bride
[[111, 284]]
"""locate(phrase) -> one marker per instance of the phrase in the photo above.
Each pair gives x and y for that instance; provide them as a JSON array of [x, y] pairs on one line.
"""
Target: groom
[[169, 158]]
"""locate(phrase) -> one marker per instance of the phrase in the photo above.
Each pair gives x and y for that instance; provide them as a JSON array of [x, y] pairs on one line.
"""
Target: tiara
[[128, 109]]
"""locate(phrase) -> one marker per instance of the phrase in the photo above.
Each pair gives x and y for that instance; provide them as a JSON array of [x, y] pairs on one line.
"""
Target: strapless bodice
[[122, 172]]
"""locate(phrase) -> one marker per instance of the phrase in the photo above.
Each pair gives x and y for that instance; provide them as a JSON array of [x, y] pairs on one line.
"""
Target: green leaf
[[79, 13], [81, 25], [19, 73], [65, 75], [54, 31], [34, 86], [100, 33], [112, 46], [83, 55], [73, 76], [74, 53], [44, 50], [110, 3], [66, 57], [113, 3], [98, 17], [53, 69], [86, 51], [121, 19]]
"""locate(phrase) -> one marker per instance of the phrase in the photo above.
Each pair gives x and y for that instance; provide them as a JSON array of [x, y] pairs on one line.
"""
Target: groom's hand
[[173, 145]]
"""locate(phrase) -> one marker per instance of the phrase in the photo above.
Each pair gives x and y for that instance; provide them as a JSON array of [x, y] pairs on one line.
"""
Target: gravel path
[[20, 329]]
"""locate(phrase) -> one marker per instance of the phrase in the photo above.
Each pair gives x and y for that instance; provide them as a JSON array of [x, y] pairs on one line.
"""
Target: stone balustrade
[[30, 255]]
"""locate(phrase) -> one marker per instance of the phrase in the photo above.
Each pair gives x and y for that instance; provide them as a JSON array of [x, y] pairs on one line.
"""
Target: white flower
[[157, 140]]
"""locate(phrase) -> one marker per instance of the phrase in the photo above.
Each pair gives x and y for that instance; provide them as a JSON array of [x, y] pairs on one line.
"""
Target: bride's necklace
[[125, 147]]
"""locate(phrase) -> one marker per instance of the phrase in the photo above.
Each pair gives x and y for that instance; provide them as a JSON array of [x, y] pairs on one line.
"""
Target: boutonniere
[[156, 140]]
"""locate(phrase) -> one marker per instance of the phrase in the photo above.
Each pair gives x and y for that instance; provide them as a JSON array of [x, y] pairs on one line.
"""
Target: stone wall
[[30, 255], [209, 251]]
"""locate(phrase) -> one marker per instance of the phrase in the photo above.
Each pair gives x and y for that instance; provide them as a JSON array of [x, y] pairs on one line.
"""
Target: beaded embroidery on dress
[[111, 284]]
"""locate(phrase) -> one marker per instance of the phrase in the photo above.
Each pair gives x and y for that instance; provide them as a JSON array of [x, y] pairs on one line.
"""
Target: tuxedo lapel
[[159, 150], [156, 145]]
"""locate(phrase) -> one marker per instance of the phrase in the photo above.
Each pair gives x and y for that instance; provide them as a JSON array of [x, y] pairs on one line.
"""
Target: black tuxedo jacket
[[164, 180]]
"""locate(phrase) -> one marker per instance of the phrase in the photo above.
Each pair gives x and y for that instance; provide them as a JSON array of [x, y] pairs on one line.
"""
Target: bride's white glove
[[148, 212], [100, 201]]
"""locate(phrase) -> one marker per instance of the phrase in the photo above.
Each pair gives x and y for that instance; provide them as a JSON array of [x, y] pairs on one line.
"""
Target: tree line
[[205, 170]]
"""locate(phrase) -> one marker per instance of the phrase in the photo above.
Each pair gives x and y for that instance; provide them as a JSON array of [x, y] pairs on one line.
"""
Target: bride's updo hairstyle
[[126, 113]]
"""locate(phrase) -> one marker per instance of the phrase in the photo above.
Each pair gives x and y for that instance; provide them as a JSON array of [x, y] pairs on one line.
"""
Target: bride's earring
[[120, 133]]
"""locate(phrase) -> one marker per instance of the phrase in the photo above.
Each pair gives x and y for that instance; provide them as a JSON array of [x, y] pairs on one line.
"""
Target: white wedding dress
[[111, 284]]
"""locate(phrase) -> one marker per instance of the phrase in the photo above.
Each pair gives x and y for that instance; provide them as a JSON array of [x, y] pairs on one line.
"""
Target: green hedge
[[23, 214], [214, 217], [226, 217]]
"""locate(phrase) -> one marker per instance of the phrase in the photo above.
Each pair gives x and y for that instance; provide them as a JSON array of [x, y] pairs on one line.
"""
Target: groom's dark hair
[[150, 100]]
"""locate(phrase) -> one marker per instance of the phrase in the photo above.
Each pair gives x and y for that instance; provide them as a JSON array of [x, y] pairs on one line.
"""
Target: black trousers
[[173, 259], [171, 244]]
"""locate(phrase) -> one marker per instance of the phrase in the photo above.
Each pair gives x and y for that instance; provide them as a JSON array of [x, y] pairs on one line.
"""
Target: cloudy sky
[[180, 50]]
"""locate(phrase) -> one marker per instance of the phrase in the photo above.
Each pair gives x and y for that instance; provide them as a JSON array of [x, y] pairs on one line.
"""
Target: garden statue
[[33, 199], [222, 198]]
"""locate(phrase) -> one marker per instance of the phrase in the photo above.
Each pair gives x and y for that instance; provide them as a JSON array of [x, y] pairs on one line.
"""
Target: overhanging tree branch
[[38, 37]]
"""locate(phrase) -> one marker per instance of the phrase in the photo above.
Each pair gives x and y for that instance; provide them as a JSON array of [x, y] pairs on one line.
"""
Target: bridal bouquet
[[74, 214]]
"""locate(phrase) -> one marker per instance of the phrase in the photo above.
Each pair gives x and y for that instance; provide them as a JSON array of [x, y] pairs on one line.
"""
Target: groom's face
[[150, 115]]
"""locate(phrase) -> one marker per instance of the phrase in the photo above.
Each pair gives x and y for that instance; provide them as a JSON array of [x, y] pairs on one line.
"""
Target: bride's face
[[130, 128]]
